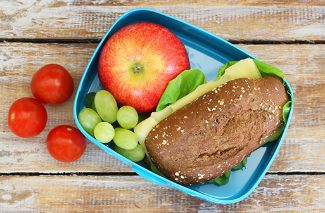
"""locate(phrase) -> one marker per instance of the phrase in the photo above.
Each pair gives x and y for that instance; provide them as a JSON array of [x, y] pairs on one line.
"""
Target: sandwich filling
[[212, 134]]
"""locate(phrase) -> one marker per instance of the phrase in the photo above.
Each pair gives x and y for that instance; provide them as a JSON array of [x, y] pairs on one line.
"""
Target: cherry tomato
[[27, 117], [52, 84], [66, 143]]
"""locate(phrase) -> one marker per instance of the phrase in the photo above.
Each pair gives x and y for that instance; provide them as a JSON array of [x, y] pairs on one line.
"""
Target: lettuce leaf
[[183, 84], [189, 80], [222, 69], [285, 110], [268, 70], [222, 180], [265, 69], [242, 163]]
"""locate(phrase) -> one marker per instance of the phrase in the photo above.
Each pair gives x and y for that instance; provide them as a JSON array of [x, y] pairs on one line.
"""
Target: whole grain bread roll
[[211, 135]]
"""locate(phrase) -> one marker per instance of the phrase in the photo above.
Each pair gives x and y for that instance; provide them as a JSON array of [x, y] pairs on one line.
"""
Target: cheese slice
[[245, 68]]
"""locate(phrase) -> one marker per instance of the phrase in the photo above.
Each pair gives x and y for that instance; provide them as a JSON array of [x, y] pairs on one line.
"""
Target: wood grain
[[302, 149], [195, 2], [287, 34], [19, 61], [133, 194], [285, 21], [303, 66]]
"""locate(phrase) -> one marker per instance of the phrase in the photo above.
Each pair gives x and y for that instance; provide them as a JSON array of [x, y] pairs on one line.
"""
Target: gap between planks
[[77, 174], [97, 40]]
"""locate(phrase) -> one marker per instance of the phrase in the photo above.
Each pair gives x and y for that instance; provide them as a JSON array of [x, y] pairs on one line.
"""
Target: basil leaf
[[185, 83]]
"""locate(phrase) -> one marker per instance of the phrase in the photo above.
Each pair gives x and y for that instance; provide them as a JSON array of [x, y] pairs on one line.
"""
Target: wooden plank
[[302, 149], [195, 2], [134, 194], [19, 61], [89, 20], [303, 66]]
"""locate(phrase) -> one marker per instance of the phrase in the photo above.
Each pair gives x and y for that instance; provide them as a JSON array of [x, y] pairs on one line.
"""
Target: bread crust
[[212, 134]]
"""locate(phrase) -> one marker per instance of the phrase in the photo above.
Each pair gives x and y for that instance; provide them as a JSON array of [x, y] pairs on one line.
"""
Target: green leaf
[[189, 80], [222, 69], [89, 101], [183, 84], [155, 170], [275, 135], [285, 111], [222, 180], [268, 70], [242, 163], [265, 69]]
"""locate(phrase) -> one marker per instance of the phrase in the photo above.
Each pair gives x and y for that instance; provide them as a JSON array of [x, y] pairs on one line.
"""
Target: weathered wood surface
[[276, 193], [232, 20], [303, 65], [287, 34]]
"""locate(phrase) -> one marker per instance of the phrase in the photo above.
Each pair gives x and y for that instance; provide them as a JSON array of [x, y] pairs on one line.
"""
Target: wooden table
[[287, 34]]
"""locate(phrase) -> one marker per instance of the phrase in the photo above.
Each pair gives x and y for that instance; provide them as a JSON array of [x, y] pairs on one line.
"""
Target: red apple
[[137, 62]]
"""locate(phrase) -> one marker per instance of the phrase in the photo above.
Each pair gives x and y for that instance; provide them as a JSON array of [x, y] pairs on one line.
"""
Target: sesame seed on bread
[[209, 136]]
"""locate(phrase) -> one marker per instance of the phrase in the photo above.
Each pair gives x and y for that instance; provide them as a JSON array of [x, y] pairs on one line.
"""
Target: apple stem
[[137, 68]]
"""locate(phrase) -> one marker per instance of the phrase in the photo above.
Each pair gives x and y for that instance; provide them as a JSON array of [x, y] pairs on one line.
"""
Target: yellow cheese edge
[[245, 68]]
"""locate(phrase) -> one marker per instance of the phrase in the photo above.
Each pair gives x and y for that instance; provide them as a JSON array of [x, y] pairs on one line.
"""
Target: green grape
[[134, 155], [104, 132], [106, 106], [127, 117], [125, 139], [89, 100], [88, 119]]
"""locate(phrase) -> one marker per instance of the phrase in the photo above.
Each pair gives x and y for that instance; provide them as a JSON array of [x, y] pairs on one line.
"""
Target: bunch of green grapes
[[106, 122]]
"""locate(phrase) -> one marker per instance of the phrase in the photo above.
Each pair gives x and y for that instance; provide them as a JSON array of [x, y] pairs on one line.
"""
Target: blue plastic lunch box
[[208, 53]]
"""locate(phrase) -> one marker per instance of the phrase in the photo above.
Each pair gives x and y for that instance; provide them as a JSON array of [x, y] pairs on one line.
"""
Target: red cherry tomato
[[27, 117], [66, 143], [52, 84]]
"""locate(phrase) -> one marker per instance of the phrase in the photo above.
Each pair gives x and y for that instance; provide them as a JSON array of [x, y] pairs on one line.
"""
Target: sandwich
[[203, 138]]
